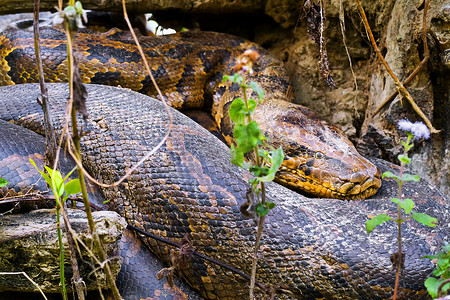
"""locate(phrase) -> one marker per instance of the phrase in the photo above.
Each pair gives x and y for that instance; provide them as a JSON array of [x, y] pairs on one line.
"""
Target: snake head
[[319, 159]]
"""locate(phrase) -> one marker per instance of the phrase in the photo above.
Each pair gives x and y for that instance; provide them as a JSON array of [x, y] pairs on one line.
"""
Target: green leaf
[[375, 221], [252, 104], [431, 256], [237, 111], [446, 247], [277, 158], [259, 171], [246, 164], [235, 78], [43, 174], [432, 286], [409, 177], [407, 145], [255, 87], [263, 153], [237, 157], [246, 136], [404, 158], [254, 182], [441, 255], [396, 200], [56, 177], [446, 287], [438, 272], [71, 188], [68, 175], [408, 205], [54, 174], [70, 10], [390, 175], [443, 263], [425, 219], [3, 182], [261, 209]]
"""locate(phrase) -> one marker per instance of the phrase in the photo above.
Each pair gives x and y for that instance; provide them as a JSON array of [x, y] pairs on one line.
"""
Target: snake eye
[[318, 155]]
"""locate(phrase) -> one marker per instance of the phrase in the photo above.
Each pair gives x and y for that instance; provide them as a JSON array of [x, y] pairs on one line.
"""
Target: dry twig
[[163, 99], [50, 136], [401, 89], [27, 277], [420, 66]]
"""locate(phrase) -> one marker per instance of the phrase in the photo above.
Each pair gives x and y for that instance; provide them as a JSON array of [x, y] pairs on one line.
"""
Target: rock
[[195, 6], [380, 136], [29, 243], [397, 26]]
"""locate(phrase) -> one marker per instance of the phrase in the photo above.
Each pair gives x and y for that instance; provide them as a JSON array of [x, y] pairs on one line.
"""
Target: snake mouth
[[297, 180]]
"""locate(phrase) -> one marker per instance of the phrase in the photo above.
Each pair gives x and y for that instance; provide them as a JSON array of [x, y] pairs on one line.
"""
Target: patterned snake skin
[[188, 68], [315, 248]]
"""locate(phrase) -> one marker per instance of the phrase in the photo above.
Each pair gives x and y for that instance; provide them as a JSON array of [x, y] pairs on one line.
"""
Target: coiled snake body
[[315, 248], [189, 68]]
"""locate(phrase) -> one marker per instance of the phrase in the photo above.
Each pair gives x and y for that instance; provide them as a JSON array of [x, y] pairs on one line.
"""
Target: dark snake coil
[[315, 248]]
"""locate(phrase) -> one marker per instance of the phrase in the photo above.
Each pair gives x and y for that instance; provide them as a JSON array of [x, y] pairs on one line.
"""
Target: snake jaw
[[317, 178]]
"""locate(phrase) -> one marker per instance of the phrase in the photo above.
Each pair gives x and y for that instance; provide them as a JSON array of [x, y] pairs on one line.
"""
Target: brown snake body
[[188, 68], [314, 248]]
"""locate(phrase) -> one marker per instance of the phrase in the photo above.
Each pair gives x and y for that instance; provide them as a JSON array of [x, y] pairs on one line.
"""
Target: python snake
[[313, 247], [188, 67]]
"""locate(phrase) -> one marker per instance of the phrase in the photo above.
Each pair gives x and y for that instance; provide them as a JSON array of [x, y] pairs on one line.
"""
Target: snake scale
[[315, 248]]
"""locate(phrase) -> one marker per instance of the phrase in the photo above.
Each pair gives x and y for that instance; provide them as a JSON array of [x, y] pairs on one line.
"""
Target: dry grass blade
[[28, 277], [344, 40]]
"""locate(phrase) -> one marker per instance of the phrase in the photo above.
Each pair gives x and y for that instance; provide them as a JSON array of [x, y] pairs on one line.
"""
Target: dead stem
[[163, 99], [76, 278], [50, 156], [402, 90], [100, 251], [407, 80], [50, 136], [419, 67]]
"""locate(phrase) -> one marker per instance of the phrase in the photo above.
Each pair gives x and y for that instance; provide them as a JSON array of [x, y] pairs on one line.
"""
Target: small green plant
[[3, 182], [416, 130], [438, 287], [248, 136], [60, 189], [251, 141], [57, 183]]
